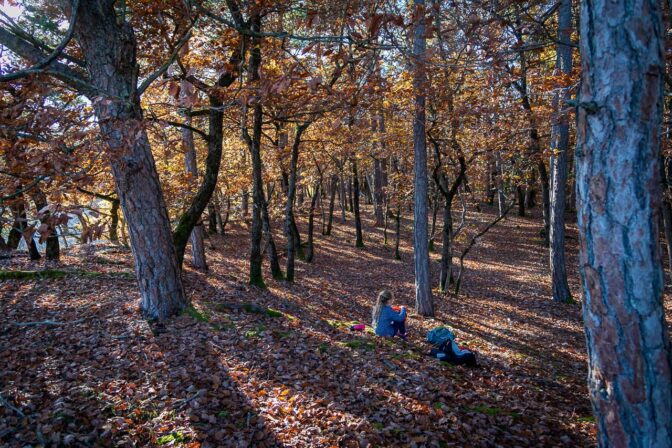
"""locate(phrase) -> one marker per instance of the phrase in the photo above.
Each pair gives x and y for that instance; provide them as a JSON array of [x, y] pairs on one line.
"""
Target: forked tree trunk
[[618, 206], [424, 304], [560, 144]]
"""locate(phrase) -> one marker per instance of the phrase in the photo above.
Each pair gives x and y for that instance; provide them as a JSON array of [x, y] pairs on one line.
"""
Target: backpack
[[446, 349]]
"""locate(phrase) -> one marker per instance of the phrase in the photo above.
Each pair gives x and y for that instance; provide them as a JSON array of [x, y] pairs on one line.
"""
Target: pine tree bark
[[560, 146], [109, 47], [618, 206], [424, 304]]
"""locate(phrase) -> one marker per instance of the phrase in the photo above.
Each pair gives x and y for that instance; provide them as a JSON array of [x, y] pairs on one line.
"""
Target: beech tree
[[618, 206]]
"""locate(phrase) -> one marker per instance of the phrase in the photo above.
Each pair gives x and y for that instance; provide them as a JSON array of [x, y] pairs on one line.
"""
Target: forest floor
[[279, 367]]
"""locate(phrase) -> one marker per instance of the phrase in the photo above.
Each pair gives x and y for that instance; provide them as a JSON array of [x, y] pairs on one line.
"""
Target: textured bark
[[114, 221], [53, 248], [197, 247], [424, 304], [212, 218], [560, 146], [254, 145], [359, 240], [108, 46], [618, 206]]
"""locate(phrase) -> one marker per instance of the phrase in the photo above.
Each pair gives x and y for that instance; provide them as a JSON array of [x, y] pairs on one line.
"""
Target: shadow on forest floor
[[230, 374]]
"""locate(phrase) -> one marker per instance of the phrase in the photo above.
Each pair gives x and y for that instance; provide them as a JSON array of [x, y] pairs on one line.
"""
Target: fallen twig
[[8, 405]]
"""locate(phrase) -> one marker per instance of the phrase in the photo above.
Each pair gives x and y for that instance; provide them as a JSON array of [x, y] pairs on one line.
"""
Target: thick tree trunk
[[618, 206], [359, 240], [424, 304], [108, 45], [560, 146]]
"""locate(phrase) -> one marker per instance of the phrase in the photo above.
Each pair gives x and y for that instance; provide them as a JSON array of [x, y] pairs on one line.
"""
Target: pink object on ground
[[358, 327]]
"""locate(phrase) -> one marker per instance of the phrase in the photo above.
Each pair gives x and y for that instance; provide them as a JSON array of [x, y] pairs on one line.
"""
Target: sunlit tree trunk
[[108, 45], [197, 233], [618, 206], [559, 161], [424, 304]]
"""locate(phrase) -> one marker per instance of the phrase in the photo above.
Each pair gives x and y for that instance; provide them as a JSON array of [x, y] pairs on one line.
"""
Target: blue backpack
[[446, 349]]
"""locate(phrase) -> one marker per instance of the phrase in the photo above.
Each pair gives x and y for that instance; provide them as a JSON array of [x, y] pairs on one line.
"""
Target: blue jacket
[[387, 316]]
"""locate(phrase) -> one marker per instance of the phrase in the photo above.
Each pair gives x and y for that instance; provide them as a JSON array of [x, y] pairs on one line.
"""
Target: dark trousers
[[399, 328]]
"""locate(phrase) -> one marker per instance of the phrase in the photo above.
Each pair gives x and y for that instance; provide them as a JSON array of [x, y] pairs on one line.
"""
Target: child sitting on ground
[[386, 321]]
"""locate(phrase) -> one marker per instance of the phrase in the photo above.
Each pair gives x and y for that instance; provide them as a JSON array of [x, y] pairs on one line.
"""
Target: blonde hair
[[384, 297]]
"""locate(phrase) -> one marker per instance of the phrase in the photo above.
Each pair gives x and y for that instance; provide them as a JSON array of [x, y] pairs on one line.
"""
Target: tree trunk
[[290, 225], [350, 199], [545, 199], [359, 241], [501, 198], [254, 144], [310, 249], [447, 246], [53, 248], [108, 45], [397, 233], [424, 303], [618, 205], [225, 221], [332, 200], [379, 193], [212, 218], [520, 193], [114, 221], [558, 163], [197, 246], [342, 197]]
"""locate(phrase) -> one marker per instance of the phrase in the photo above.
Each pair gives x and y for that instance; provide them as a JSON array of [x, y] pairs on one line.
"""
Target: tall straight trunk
[[108, 46], [332, 199], [342, 197], [558, 163], [545, 196], [310, 249], [435, 212], [290, 225], [197, 233], [254, 143], [53, 248], [424, 303], [501, 198], [397, 233], [618, 206], [359, 241], [378, 192], [350, 199], [447, 246]]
